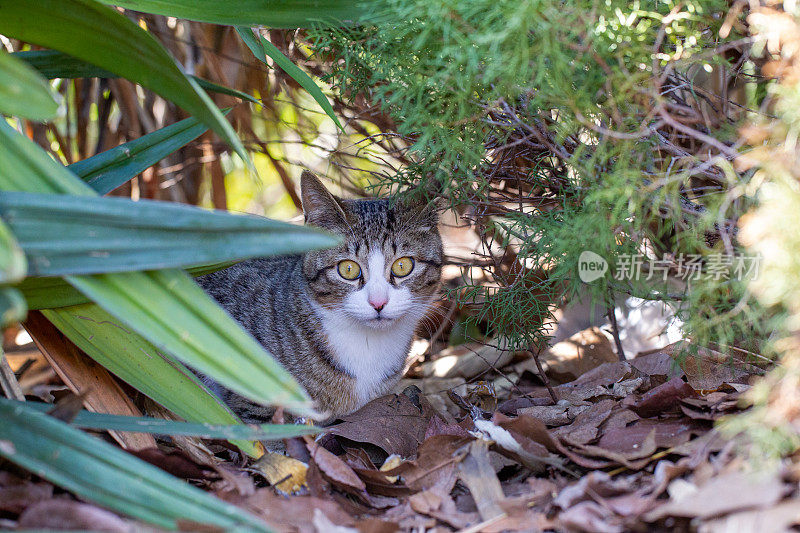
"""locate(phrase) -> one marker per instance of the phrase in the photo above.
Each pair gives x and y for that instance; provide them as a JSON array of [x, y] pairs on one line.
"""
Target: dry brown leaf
[[395, 423], [335, 470], [176, 463], [435, 462], [100, 391], [574, 356], [661, 399], [17, 494], [709, 369], [71, 515], [476, 471], [726, 493], [777, 519], [295, 513]]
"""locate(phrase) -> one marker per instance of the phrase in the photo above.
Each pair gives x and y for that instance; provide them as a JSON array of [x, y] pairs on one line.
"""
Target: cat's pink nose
[[377, 303]]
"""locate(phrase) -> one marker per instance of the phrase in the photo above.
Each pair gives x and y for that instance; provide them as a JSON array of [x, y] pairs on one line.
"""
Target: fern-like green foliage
[[573, 100]]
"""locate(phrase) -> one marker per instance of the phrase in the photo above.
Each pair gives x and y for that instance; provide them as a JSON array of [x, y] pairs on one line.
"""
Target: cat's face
[[388, 267]]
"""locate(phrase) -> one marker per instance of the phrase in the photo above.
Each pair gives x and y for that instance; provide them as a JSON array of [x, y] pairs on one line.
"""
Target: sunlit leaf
[[48, 293]]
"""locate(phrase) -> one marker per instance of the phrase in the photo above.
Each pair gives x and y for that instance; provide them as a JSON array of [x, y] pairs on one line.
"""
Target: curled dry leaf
[[435, 462], [335, 470], [661, 399], [395, 423], [284, 473], [476, 471]]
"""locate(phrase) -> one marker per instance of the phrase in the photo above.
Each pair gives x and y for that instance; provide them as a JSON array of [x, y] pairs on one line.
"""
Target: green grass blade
[[270, 13], [159, 426], [106, 38], [261, 47], [166, 307], [103, 474], [216, 88], [23, 92]]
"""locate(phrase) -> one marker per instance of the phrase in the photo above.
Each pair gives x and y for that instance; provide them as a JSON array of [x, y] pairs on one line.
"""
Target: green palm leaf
[[102, 235], [111, 41], [159, 426], [23, 92], [262, 47], [108, 476], [270, 13], [54, 64], [166, 307]]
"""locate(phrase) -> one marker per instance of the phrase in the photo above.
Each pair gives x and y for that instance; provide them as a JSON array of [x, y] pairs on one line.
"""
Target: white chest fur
[[369, 355]]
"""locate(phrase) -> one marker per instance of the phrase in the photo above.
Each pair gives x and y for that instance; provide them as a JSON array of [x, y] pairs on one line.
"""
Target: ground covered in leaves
[[627, 446]]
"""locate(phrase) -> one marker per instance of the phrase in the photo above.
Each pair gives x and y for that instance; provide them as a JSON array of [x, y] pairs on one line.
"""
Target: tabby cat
[[341, 320]]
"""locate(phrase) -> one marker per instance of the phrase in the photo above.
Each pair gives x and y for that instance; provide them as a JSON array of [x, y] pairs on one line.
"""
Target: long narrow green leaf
[[12, 306], [262, 47], [108, 476], [12, 260], [54, 64], [159, 426], [173, 312], [23, 92], [270, 13], [50, 293], [166, 307], [108, 170], [102, 235], [217, 88], [138, 363], [106, 38]]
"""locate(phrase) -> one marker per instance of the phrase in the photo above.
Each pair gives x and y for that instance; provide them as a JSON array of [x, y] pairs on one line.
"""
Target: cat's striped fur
[[324, 329]]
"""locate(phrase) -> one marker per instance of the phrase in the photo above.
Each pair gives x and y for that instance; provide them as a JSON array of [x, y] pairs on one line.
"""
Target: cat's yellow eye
[[349, 269], [402, 267]]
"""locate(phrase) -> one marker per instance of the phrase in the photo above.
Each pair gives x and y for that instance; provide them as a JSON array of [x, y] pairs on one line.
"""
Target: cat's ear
[[422, 214], [320, 207]]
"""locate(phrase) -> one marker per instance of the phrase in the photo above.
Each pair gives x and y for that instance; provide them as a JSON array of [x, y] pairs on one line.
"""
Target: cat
[[340, 320]]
